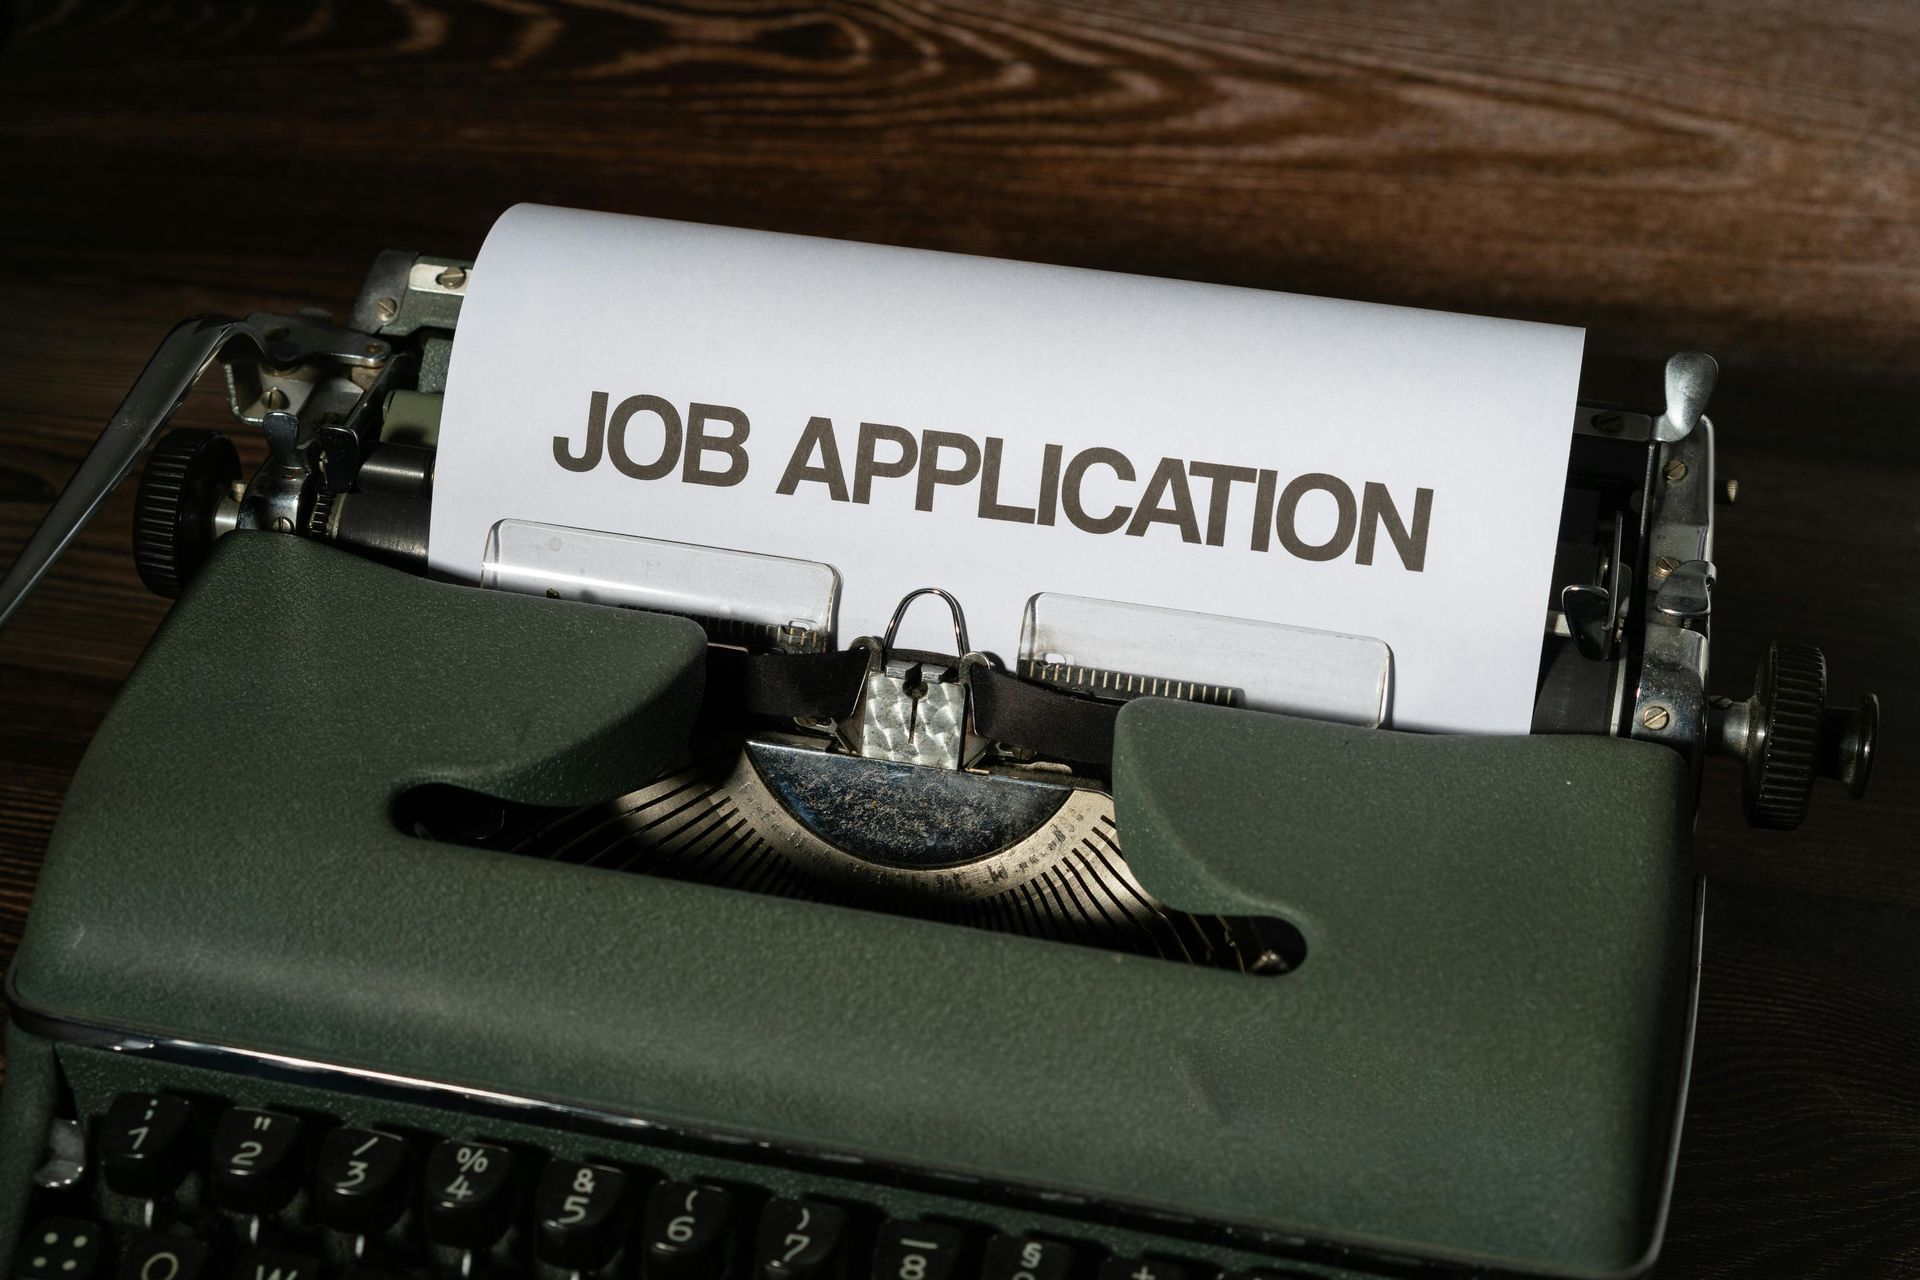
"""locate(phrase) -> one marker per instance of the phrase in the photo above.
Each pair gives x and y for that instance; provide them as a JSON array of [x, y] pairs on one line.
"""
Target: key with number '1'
[[146, 1144]]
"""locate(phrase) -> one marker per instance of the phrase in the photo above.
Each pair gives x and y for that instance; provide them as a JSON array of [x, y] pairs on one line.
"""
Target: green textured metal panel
[[1476, 1061], [1494, 990], [26, 1105]]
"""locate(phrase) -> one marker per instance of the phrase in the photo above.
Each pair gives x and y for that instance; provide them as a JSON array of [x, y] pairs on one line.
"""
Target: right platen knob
[[1786, 736]]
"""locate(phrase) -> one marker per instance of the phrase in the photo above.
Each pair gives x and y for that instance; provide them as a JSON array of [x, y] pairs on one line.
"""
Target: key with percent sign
[[470, 1190]]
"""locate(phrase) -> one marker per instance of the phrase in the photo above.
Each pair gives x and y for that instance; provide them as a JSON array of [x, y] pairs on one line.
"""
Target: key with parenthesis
[[800, 1240], [684, 1231]]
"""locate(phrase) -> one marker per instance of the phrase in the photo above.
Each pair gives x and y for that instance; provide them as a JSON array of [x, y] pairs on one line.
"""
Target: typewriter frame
[[1624, 677], [1566, 1032]]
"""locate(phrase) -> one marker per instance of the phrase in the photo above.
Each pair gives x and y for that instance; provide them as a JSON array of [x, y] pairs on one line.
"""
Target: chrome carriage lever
[[157, 394]]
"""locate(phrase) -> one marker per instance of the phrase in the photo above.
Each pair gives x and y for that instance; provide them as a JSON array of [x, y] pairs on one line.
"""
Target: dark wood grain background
[[1741, 176]]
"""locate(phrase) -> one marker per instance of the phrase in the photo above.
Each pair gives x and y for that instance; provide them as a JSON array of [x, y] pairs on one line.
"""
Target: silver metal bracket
[[1670, 702], [185, 354]]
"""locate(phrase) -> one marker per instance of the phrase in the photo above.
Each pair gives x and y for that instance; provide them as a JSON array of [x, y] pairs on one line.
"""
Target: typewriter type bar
[[1111, 650], [740, 598]]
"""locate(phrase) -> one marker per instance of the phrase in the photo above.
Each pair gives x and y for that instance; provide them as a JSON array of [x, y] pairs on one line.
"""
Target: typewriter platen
[[686, 939]]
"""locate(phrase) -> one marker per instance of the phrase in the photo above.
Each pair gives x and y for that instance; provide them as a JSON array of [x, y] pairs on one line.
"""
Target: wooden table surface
[[1739, 176]]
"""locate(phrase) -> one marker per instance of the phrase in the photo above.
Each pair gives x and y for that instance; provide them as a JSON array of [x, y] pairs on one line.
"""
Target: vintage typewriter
[[396, 927]]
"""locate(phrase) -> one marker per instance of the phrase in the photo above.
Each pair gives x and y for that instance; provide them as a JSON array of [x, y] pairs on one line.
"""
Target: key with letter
[[152, 1256], [273, 1264]]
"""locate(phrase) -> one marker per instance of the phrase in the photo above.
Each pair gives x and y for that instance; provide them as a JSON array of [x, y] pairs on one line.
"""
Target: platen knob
[[187, 475], [1786, 736]]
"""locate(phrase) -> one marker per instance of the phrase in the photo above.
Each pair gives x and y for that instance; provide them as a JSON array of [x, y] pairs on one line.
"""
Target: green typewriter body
[[311, 988]]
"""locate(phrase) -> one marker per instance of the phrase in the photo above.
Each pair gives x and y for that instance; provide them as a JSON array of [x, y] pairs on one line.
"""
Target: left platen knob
[[187, 476]]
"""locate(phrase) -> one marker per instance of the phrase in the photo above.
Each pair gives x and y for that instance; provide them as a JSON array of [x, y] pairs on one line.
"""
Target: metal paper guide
[[1006, 431]]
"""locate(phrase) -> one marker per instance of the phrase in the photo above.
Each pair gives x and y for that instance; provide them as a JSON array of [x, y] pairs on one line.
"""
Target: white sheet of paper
[[1375, 402]]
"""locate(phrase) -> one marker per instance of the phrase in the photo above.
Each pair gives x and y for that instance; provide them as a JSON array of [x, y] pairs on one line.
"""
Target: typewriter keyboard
[[198, 1174]]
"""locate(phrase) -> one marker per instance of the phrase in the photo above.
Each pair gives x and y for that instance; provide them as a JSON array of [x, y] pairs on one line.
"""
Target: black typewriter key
[[580, 1208], [255, 1159], [1011, 1258], [684, 1231], [65, 1248], [272, 1264], [157, 1257], [469, 1190], [146, 1144], [1143, 1269], [360, 1181], [799, 1240], [917, 1251]]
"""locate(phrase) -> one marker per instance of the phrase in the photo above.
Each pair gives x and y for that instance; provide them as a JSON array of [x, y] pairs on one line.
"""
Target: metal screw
[[1664, 566], [386, 309], [1676, 471], [452, 278], [1656, 717], [1607, 422], [282, 525], [1729, 492], [274, 399]]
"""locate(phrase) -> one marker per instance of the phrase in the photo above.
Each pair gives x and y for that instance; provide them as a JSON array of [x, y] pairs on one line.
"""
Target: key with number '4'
[[470, 1193]]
